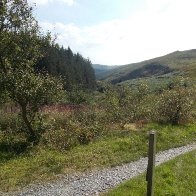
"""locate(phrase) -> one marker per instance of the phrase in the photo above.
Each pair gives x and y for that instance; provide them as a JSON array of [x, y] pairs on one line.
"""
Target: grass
[[176, 177], [182, 61], [41, 164]]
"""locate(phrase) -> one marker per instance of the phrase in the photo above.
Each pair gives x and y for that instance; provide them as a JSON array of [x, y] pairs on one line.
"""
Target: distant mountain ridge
[[178, 62], [100, 69]]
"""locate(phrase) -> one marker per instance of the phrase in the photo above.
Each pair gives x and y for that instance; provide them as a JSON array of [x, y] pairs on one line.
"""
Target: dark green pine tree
[[73, 68]]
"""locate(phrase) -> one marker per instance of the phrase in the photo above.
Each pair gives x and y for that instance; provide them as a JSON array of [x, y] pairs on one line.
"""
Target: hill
[[101, 69], [176, 63]]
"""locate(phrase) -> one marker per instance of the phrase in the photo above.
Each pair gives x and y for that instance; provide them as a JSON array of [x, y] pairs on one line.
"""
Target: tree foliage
[[174, 105], [21, 39], [31, 91], [73, 68], [126, 102], [21, 47]]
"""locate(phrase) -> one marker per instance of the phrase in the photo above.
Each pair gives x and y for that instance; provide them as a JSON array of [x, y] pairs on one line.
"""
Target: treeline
[[74, 69]]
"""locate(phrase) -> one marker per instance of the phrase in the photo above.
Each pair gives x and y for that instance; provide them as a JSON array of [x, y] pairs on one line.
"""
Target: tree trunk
[[32, 137]]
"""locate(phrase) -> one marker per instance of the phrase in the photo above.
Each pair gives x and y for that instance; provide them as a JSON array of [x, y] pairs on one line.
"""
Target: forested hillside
[[73, 68]]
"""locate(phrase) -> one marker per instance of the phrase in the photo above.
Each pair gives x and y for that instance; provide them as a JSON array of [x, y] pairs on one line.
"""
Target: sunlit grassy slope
[[177, 63]]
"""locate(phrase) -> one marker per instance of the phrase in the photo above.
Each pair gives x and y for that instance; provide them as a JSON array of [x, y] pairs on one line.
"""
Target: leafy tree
[[31, 91], [21, 47], [21, 39]]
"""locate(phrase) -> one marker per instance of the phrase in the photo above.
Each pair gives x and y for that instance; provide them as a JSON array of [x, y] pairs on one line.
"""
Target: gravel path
[[99, 181]]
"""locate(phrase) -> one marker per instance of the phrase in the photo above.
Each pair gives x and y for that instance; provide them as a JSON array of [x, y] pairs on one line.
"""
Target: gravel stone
[[95, 182]]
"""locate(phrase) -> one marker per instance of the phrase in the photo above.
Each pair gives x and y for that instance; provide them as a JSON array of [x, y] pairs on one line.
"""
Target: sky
[[118, 32]]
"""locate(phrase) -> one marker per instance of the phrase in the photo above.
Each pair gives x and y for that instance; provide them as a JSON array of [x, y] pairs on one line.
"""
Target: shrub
[[12, 143], [88, 125], [60, 132], [88, 133], [126, 103], [66, 130], [62, 139], [78, 95], [10, 121], [175, 105]]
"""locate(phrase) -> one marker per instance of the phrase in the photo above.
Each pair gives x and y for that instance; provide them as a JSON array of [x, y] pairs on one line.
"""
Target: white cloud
[[162, 27], [44, 2]]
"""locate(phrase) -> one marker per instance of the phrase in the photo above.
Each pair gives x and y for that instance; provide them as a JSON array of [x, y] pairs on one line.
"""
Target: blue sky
[[117, 32], [84, 12]]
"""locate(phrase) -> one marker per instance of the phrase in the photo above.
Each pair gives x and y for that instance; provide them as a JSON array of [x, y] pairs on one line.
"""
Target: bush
[[60, 131], [88, 133], [88, 125], [175, 105], [78, 95], [68, 129], [12, 143], [62, 139], [10, 121], [126, 103]]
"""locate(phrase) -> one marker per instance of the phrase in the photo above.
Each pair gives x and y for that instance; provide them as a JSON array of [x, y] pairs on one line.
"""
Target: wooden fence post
[[151, 163]]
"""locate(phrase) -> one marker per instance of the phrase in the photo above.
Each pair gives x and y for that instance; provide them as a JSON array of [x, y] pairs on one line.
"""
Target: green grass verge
[[119, 146], [176, 177]]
